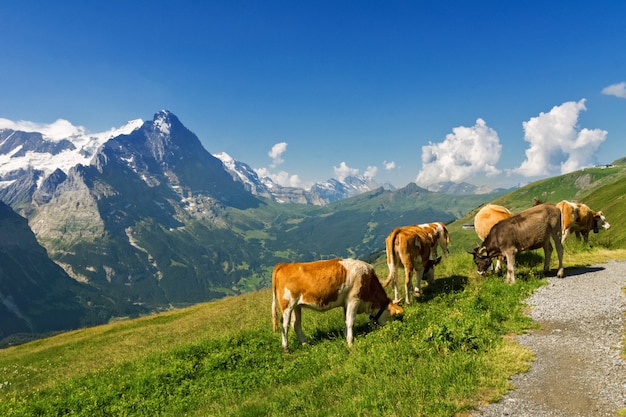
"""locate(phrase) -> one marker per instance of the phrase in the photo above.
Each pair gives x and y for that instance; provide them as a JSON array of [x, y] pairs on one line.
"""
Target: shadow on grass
[[529, 265], [444, 285]]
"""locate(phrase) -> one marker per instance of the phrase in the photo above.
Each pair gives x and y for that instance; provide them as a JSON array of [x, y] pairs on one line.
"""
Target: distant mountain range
[[143, 218]]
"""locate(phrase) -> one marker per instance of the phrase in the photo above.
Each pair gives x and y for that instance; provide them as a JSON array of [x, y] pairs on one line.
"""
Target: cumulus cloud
[[556, 142], [281, 178], [389, 165], [344, 171], [617, 90], [370, 172], [60, 129], [465, 152], [276, 153]]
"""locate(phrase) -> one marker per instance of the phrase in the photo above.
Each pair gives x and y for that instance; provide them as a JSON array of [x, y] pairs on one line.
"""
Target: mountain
[[154, 221], [36, 296], [460, 188], [320, 193]]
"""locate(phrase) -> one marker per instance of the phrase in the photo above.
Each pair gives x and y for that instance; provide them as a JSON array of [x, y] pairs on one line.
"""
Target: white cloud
[[60, 129], [617, 90], [276, 153], [465, 152], [281, 178], [389, 165], [370, 172], [344, 171], [556, 142]]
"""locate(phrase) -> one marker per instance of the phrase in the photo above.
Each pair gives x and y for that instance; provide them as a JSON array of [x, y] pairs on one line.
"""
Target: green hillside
[[450, 351], [600, 188]]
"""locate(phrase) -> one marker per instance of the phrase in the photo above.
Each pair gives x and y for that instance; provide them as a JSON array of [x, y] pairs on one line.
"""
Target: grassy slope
[[447, 354]]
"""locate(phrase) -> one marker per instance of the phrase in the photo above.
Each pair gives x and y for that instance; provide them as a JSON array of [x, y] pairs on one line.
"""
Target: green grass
[[450, 351]]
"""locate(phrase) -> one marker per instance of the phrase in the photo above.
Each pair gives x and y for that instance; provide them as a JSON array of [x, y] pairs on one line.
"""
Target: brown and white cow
[[486, 218], [439, 236], [324, 285], [580, 219], [410, 246], [531, 229]]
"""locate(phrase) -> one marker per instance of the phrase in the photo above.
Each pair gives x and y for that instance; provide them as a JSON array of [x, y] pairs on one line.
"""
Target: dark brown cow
[[580, 219], [410, 246], [531, 229], [323, 285]]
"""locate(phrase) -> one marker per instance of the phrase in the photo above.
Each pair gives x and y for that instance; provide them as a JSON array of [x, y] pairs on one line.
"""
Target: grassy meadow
[[451, 351]]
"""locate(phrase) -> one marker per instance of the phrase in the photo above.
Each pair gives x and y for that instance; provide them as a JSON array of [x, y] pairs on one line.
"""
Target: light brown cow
[[531, 229], [410, 246], [486, 218], [324, 285], [580, 219]]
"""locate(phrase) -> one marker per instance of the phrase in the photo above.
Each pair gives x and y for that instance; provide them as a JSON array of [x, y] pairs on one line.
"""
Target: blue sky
[[489, 92]]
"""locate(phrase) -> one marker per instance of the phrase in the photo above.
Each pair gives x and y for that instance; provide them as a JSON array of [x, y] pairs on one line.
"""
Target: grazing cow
[[531, 229], [486, 218], [323, 285], [410, 245], [439, 236], [579, 218]]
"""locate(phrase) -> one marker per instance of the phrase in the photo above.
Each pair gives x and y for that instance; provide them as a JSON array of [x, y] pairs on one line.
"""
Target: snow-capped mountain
[[459, 188], [57, 146], [320, 193]]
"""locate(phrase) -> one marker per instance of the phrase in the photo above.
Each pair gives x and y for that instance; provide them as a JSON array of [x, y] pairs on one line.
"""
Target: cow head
[[429, 269], [385, 312], [481, 259], [599, 222]]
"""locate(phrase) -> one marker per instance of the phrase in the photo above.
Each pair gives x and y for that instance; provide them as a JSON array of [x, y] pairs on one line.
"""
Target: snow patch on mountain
[[81, 145]]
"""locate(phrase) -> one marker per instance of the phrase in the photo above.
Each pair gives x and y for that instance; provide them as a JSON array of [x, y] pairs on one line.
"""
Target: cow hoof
[[417, 293], [561, 273]]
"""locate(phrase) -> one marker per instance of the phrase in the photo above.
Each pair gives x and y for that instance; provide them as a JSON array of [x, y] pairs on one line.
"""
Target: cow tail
[[391, 262], [274, 305]]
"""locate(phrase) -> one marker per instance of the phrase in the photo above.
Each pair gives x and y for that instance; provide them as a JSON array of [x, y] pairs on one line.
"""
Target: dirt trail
[[578, 369]]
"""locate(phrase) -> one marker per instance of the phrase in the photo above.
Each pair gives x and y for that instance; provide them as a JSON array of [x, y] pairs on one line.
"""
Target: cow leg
[[559, 253], [418, 282], [393, 276], [285, 329], [547, 254], [408, 270], [585, 236], [510, 268], [350, 317], [498, 266], [297, 324]]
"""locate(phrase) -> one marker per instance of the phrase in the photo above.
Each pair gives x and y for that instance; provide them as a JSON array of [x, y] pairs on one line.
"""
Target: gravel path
[[578, 369]]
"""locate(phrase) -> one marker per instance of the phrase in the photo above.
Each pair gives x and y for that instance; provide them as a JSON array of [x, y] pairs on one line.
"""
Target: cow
[[486, 218], [324, 285], [531, 229], [410, 245], [439, 236], [579, 218]]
